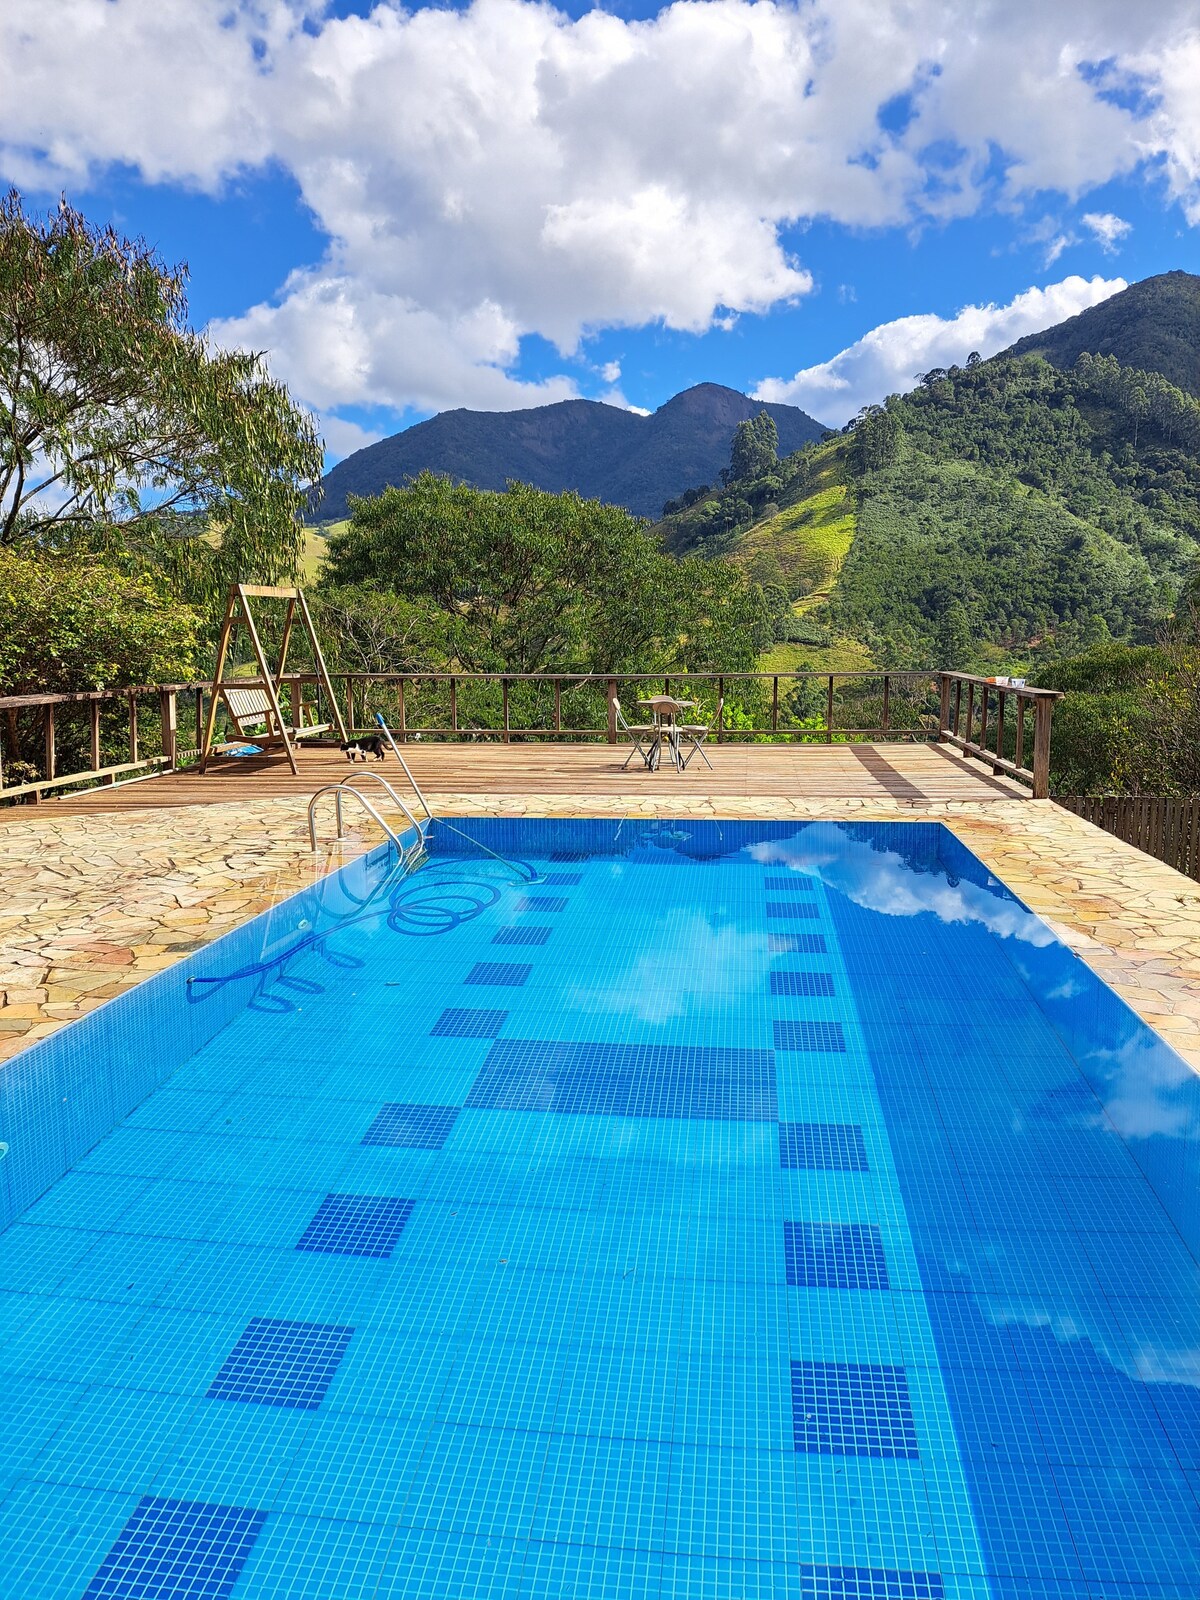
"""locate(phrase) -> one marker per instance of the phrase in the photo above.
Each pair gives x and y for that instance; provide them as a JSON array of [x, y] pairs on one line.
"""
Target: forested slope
[[999, 510]]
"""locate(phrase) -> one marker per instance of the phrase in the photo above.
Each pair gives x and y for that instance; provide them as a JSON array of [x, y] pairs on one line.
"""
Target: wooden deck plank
[[909, 773]]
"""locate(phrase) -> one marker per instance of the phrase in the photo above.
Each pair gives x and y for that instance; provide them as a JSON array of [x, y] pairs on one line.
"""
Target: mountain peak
[[1153, 325], [602, 451]]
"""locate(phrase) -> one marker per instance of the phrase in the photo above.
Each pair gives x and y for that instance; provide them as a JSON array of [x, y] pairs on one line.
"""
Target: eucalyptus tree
[[122, 427]]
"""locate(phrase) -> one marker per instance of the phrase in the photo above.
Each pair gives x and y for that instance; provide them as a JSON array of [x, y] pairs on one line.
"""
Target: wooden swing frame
[[268, 683]]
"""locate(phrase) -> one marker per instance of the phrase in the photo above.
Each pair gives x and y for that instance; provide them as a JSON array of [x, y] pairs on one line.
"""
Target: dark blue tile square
[[851, 1409], [799, 944], [356, 1225], [563, 880], [500, 974], [541, 902], [627, 1080], [408, 1127], [868, 1583], [278, 1363], [802, 983], [177, 1550], [522, 936], [794, 882], [822, 1146], [456, 1022], [834, 1255], [809, 1035], [791, 911]]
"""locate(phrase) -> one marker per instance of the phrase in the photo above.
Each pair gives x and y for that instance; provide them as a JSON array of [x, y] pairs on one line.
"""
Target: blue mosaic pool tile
[[802, 983], [800, 944], [570, 855], [563, 880], [177, 1550], [457, 1022], [541, 902], [356, 1225], [868, 1583], [834, 1255], [790, 911], [809, 1035], [629, 1080], [794, 881], [500, 974], [412, 1127], [822, 1146], [277, 1363], [522, 936], [852, 1409]]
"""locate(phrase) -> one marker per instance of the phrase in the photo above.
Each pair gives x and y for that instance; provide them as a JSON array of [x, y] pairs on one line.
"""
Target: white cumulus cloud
[[889, 358], [1108, 229], [486, 173]]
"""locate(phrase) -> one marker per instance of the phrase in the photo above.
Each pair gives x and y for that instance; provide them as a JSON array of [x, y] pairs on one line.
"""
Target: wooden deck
[[914, 774]]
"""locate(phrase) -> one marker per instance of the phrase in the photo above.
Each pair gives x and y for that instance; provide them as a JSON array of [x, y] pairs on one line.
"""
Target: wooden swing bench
[[251, 701]]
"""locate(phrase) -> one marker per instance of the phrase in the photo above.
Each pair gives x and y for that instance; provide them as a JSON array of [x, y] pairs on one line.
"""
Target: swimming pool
[[731, 1210]]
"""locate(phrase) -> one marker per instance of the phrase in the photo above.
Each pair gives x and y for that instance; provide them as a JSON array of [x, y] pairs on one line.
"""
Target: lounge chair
[[643, 738], [694, 734]]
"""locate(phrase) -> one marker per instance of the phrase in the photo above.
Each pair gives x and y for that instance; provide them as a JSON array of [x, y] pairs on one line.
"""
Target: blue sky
[[504, 204]]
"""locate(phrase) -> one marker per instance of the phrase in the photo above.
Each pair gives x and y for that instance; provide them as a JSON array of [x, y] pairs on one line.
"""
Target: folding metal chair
[[643, 738], [695, 733]]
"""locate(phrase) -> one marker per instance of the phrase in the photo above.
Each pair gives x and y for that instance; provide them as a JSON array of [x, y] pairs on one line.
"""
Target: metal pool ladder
[[411, 855]]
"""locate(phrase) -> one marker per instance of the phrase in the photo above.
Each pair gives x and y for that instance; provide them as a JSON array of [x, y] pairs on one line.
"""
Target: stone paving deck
[[92, 904]]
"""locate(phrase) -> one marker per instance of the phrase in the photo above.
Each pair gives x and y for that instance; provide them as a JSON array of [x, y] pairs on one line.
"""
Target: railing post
[[887, 704], [558, 705], [944, 703], [775, 705], [349, 706], [612, 711], [829, 711], [48, 741], [721, 717], [200, 718], [504, 694], [134, 751], [94, 733], [1019, 752], [453, 704], [402, 713], [1043, 710], [168, 717]]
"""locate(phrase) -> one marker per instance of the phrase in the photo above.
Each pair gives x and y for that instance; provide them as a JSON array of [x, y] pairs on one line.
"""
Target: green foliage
[[527, 581], [1153, 326], [367, 629], [126, 430], [755, 449], [68, 625]]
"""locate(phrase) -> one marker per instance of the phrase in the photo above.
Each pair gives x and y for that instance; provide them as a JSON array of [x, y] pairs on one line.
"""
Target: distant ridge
[[1153, 325], [602, 451]]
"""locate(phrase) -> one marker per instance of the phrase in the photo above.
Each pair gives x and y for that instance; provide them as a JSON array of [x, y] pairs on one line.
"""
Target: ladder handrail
[[407, 770], [337, 790], [352, 778]]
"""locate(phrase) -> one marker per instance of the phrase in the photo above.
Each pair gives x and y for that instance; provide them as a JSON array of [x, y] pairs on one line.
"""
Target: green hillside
[[1001, 511], [1153, 325]]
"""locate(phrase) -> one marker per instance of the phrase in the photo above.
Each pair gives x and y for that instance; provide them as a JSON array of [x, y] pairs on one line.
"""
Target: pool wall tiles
[[1145, 1086], [62, 1096]]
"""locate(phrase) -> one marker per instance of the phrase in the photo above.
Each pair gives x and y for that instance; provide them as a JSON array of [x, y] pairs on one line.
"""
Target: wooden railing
[[757, 705], [32, 727], [1166, 828], [983, 719], [974, 709]]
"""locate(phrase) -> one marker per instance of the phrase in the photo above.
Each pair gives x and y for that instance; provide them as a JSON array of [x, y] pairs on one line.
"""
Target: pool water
[[733, 1210]]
